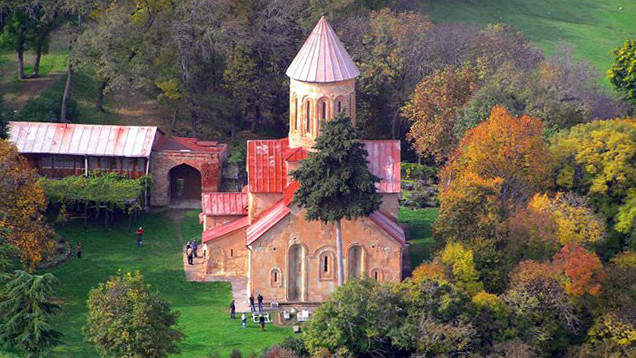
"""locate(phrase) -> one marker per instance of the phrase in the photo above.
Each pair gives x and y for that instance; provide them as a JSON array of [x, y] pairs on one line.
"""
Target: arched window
[[275, 278], [326, 265], [323, 110], [308, 117], [376, 275]]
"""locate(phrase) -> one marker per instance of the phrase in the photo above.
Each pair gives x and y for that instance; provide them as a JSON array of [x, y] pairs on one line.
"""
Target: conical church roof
[[322, 58]]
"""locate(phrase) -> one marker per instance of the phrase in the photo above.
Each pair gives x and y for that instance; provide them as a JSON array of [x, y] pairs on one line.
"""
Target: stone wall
[[162, 161], [380, 253], [228, 256]]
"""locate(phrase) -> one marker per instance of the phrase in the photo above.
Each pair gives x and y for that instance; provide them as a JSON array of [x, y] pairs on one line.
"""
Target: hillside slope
[[593, 27]]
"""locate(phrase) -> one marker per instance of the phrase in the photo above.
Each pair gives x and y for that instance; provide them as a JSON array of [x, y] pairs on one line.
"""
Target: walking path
[[196, 272]]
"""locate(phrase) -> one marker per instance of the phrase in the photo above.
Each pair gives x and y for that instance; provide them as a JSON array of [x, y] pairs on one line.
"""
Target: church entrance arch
[[295, 279], [185, 184]]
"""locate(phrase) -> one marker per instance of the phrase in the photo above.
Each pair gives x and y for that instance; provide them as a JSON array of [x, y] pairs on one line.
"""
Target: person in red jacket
[[140, 236]]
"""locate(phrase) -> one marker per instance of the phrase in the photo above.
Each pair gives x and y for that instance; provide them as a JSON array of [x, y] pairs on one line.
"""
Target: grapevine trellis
[[103, 192]]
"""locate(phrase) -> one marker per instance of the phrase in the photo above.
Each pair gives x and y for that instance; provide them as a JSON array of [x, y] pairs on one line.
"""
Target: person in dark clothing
[[252, 303], [189, 253], [260, 303], [78, 249], [262, 322], [232, 310], [195, 246]]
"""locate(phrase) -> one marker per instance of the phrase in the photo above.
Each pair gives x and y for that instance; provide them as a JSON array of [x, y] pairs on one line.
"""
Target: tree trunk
[[67, 92], [340, 268], [21, 75], [100, 95], [38, 57]]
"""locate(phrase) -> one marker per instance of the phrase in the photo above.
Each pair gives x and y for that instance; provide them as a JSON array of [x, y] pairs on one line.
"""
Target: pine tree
[[28, 304], [335, 182]]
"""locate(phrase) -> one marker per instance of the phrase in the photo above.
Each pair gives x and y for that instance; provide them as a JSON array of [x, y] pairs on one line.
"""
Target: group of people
[[261, 319], [191, 251]]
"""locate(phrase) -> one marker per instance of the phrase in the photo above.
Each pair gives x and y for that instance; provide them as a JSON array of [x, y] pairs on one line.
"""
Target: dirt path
[[18, 94], [134, 108]]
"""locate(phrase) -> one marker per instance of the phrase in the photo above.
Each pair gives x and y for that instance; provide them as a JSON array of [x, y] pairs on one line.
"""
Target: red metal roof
[[266, 221], [266, 165], [219, 231], [288, 194], [189, 144], [83, 139], [224, 203], [384, 162], [295, 154], [322, 58], [389, 226]]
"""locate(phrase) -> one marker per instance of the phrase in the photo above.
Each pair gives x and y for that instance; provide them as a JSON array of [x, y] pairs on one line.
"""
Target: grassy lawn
[[593, 27], [203, 306], [420, 234]]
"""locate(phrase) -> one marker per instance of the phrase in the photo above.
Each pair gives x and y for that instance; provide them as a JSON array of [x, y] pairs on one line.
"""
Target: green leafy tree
[[127, 320], [28, 304], [4, 120], [335, 182], [622, 74]]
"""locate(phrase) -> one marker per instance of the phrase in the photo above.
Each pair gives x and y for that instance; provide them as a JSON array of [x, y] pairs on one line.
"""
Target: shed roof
[[266, 165], [83, 139], [322, 58], [222, 230], [384, 162], [224, 203]]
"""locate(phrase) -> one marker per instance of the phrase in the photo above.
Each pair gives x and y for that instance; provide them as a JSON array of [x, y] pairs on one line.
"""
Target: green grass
[[420, 233], [593, 27], [203, 306], [84, 95]]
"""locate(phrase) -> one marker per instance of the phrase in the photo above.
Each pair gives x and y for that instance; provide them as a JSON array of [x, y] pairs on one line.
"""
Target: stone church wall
[[228, 256], [380, 254]]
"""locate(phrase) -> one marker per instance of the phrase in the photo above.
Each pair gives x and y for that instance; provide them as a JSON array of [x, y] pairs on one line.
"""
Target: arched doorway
[[296, 258], [354, 262], [185, 184]]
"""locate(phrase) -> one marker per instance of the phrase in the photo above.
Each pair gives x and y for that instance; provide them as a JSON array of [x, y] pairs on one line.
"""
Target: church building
[[260, 235]]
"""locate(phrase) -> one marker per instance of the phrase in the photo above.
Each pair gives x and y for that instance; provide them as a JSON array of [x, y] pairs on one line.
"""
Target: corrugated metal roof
[[266, 165], [266, 221], [219, 231], [322, 58], [384, 162], [389, 226], [224, 203], [83, 139]]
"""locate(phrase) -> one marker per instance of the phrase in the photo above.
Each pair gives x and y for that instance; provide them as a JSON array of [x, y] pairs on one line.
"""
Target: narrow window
[[275, 276], [231, 252], [375, 276], [339, 106], [295, 113], [308, 117], [324, 110], [326, 267]]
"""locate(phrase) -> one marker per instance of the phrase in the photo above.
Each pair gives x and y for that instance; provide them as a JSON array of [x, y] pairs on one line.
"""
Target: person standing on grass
[[78, 249], [262, 322], [260, 303], [252, 303], [232, 310], [244, 320], [189, 253], [140, 236], [195, 246]]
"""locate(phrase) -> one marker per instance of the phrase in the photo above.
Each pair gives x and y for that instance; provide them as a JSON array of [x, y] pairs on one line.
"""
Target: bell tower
[[322, 84]]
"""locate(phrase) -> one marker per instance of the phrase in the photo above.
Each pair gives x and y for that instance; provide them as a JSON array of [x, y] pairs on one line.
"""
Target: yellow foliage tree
[[598, 160], [21, 221], [575, 221], [461, 264]]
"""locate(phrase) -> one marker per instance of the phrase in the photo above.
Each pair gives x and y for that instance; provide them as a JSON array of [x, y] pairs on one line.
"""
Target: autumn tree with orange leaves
[[432, 109], [583, 270], [21, 221]]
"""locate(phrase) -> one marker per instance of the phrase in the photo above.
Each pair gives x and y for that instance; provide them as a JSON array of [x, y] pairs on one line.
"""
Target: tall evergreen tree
[[335, 182], [27, 304]]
